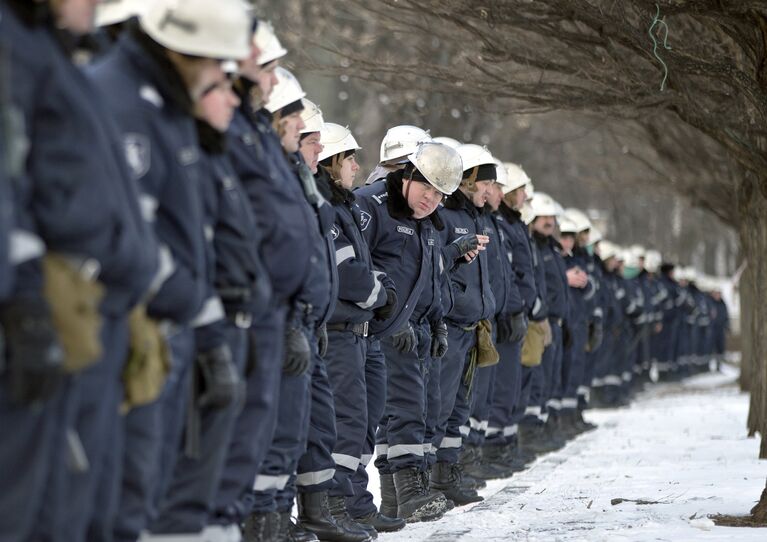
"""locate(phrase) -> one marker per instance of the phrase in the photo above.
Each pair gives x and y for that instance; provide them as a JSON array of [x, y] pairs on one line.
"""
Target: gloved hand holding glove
[[438, 340], [405, 340], [298, 353]]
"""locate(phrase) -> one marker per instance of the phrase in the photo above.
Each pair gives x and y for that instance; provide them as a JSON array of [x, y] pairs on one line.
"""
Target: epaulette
[[380, 198]]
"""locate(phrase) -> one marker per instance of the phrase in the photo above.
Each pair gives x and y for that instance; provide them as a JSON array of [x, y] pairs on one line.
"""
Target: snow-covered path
[[682, 446]]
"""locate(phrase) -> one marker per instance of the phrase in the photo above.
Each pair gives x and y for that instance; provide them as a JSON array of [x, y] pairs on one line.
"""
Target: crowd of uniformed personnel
[[204, 321]]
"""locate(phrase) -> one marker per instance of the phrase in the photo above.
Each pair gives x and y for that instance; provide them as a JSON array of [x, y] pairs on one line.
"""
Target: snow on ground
[[683, 446]]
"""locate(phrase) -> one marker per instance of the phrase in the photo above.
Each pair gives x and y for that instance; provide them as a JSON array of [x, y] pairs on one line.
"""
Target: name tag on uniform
[[187, 156], [406, 230], [431, 242], [462, 231]]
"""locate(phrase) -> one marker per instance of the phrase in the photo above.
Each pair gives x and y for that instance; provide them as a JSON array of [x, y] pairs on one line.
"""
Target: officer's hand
[[576, 278], [405, 340], [387, 310], [439, 340], [220, 381], [34, 358], [322, 340], [518, 325], [596, 336], [548, 336], [298, 353]]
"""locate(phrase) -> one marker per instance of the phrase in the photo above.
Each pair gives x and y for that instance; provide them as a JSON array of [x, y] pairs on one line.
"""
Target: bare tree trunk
[[747, 361]]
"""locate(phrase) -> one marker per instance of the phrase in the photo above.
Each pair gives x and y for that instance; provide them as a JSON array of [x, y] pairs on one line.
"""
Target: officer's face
[[567, 241], [75, 15], [311, 148], [217, 103], [266, 79], [611, 264], [545, 225], [291, 131], [583, 238], [479, 197], [495, 196], [422, 198], [349, 169]]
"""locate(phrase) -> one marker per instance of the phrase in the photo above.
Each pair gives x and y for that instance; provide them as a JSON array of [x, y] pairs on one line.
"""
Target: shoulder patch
[[461, 231], [150, 94], [405, 230], [334, 232], [365, 220], [137, 153]]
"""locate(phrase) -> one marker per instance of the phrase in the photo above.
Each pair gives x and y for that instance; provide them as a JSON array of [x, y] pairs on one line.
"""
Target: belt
[[357, 329]]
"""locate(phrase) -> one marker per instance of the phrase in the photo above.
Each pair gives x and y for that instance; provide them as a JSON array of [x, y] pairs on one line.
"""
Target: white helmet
[[630, 259], [401, 141], [517, 178], [194, 27], [544, 205], [596, 235], [268, 44], [501, 177], [118, 11], [608, 250], [312, 117], [285, 92], [474, 155], [567, 226], [527, 212], [530, 189], [449, 141], [638, 250], [579, 218], [336, 139], [653, 261], [439, 164]]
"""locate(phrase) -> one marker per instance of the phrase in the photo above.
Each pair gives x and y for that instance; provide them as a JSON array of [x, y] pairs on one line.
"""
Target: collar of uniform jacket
[[458, 201], [509, 214]]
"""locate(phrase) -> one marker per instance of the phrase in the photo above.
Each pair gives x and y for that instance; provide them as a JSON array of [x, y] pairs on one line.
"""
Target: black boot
[[446, 477], [381, 522], [582, 423], [314, 515], [415, 501], [388, 496], [473, 465], [501, 457], [290, 532], [567, 423], [337, 506], [261, 527]]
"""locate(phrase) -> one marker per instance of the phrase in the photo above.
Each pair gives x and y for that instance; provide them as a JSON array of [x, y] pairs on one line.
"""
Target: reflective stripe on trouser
[[574, 362], [26, 455], [402, 428], [507, 391], [254, 426], [87, 504], [454, 410], [316, 467], [152, 434], [552, 367], [345, 362], [433, 405], [288, 443], [484, 385], [192, 489], [361, 503]]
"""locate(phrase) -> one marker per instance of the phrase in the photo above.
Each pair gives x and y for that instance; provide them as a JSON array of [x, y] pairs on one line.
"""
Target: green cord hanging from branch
[[658, 21]]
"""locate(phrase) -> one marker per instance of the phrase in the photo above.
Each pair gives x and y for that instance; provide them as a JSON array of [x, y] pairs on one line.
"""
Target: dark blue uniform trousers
[[402, 430], [433, 405], [346, 359], [574, 364], [361, 503], [189, 498], [552, 370], [479, 418], [255, 424], [507, 394], [316, 467], [454, 410]]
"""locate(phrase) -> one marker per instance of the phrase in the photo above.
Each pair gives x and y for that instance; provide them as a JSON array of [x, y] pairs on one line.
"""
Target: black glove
[[220, 382], [503, 329], [386, 311], [298, 353], [466, 243], [518, 326], [405, 340], [34, 358], [322, 340], [596, 335], [251, 362], [439, 340]]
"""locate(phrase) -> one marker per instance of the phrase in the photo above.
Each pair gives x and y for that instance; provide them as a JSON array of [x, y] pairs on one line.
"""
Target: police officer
[[397, 222], [239, 280], [721, 322], [510, 327], [512, 382], [398, 143], [468, 320], [151, 79]]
